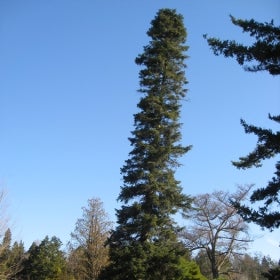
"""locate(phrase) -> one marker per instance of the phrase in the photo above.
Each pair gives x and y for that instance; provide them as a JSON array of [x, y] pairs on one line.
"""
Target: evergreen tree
[[268, 146], [273, 273], [11, 257], [265, 52], [16, 260], [144, 245], [191, 270], [45, 261], [4, 252]]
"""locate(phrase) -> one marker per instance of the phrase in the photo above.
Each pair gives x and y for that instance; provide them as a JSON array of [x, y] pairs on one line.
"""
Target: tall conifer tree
[[144, 245]]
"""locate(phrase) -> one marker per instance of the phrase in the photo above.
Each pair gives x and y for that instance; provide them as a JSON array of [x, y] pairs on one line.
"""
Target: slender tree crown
[[148, 174], [146, 233], [87, 254]]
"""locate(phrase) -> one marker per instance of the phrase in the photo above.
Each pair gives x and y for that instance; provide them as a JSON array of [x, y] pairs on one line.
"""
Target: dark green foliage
[[265, 51], [273, 273], [146, 261], [268, 146], [144, 245], [45, 261]]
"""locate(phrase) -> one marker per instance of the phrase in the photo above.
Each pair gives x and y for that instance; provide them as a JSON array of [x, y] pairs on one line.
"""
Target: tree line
[[147, 242], [87, 254]]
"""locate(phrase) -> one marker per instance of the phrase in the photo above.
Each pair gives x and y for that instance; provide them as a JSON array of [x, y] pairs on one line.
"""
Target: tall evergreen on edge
[[262, 55], [144, 244]]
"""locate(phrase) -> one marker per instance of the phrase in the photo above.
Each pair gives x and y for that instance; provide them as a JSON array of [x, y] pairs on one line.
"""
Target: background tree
[[265, 52], [217, 229], [253, 267], [191, 270], [75, 261], [144, 244], [45, 261], [4, 219], [203, 262], [242, 266], [272, 274], [11, 257], [15, 261], [4, 253], [88, 253]]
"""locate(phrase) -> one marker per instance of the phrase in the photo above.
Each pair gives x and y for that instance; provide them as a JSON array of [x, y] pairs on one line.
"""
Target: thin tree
[[217, 229], [144, 244], [88, 253], [262, 55], [4, 218], [4, 253]]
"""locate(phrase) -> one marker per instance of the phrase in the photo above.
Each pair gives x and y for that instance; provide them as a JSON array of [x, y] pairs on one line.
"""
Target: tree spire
[[144, 245]]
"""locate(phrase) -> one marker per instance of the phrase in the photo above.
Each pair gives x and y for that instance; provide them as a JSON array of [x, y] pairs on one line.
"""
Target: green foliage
[[11, 257], [204, 263], [265, 51], [4, 252], [45, 261], [152, 261], [144, 244], [15, 260], [190, 270], [273, 274], [268, 146]]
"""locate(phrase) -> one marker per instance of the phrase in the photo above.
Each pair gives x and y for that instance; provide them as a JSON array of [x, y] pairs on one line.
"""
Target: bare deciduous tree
[[88, 251], [217, 228]]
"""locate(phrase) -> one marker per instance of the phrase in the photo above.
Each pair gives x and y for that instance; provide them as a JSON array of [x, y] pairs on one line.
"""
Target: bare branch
[[217, 228]]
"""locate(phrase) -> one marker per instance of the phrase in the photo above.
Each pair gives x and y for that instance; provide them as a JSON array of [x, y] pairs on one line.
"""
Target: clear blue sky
[[68, 92]]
